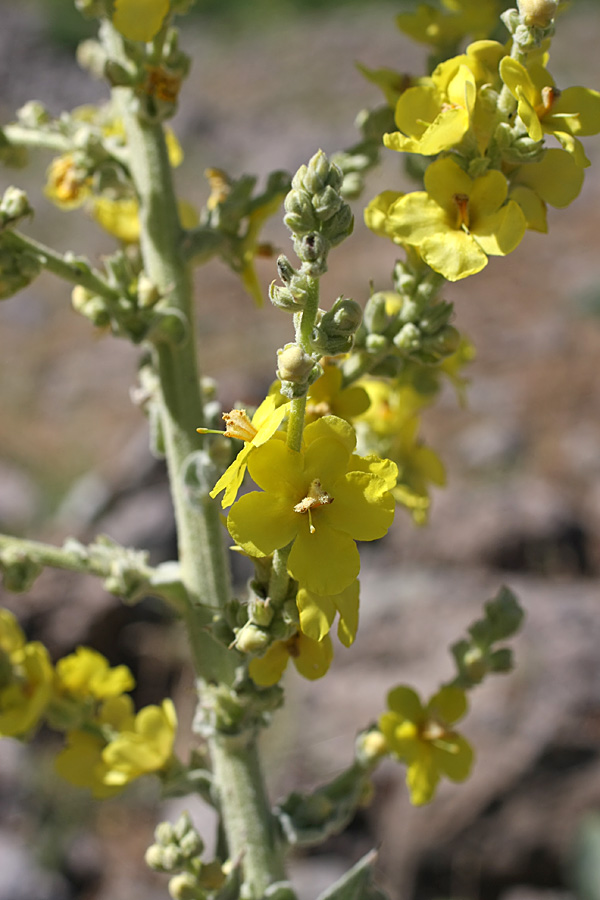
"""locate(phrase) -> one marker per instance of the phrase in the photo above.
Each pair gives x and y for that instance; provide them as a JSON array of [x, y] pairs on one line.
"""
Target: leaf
[[356, 884]]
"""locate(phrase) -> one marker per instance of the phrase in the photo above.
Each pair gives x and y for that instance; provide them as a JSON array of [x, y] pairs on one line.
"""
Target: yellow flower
[[67, 185], [87, 673], [311, 659], [327, 396], [422, 737], [543, 109], [265, 422], [119, 747], [26, 677], [456, 223], [140, 20], [146, 747], [557, 179], [392, 425], [320, 500], [81, 762]]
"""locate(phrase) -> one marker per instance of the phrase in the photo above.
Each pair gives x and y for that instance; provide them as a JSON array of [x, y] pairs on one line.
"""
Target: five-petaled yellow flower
[[456, 223], [423, 738], [320, 500]]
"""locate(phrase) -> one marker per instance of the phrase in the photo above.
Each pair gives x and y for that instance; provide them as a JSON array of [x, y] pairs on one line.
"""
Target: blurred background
[[271, 83]]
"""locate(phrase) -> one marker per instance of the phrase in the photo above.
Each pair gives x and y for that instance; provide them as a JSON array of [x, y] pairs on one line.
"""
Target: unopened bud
[[147, 292], [538, 12], [293, 364], [252, 639], [184, 887], [14, 206]]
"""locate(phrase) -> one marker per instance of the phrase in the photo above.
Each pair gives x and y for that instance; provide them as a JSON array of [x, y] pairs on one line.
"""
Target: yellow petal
[[140, 20]]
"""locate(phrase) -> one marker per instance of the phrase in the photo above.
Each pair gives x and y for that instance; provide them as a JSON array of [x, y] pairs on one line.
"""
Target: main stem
[[247, 818]]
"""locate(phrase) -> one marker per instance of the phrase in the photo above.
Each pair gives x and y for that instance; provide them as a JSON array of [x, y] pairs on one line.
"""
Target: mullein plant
[[333, 449]]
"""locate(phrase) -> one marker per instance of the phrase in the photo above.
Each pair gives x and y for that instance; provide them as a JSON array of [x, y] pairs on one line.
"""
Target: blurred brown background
[[522, 506]]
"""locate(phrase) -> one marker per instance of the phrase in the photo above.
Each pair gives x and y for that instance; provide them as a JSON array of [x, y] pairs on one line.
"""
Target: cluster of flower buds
[[316, 214], [177, 851], [408, 324], [135, 310]]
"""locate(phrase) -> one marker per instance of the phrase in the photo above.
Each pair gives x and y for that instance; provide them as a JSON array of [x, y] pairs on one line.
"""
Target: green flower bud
[[346, 316], [340, 226], [252, 639], [326, 203], [371, 746], [91, 56], [116, 74], [33, 115], [191, 845], [164, 833], [376, 318], [475, 665], [376, 343], [408, 338], [182, 826], [311, 247], [300, 217], [148, 293], [14, 206], [18, 571], [285, 269], [261, 612], [154, 858], [185, 887], [90, 305], [282, 298], [316, 174]]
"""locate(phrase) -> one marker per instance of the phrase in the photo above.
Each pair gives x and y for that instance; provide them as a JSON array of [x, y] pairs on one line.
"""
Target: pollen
[[238, 425], [315, 498]]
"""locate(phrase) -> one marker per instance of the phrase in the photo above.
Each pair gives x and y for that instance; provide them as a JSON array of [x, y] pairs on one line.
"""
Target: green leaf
[[356, 884]]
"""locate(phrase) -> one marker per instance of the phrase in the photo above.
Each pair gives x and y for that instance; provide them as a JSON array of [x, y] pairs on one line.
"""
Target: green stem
[[308, 315], [252, 832], [246, 815], [73, 557], [65, 267], [20, 136]]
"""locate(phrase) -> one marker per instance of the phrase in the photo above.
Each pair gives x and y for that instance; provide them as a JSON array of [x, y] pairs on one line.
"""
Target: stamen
[[315, 498], [549, 97], [462, 203]]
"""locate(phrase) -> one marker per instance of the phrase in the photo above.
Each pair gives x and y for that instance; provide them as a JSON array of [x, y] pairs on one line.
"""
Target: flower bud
[[191, 844], [154, 858], [285, 269], [252, 639], [538, 12], [164, 833], [147, 292], [326, 203], [261, 612], [340, 226], [371, 746], [293, 364], [33, 115], [376, 343], [300, 217], [184, 887], [14, 205], [282, 298], [376, 318], [316, 173]]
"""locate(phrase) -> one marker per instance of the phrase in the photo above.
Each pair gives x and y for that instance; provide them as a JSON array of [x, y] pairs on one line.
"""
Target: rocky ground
[[522, 504]]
